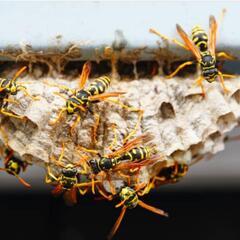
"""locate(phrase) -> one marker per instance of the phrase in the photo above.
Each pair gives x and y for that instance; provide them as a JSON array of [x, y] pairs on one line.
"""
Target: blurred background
[[204, 205]]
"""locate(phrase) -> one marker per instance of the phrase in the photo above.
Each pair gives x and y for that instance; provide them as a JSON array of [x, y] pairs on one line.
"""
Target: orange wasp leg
[[108, 197], [95, 128], [58, 118], [225, 89], [183, 65], [26, 93], [199, 82], [114, 141], [226, 56]]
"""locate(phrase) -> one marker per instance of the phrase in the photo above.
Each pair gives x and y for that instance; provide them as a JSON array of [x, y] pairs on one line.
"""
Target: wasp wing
[[85, 74], [192, 47], [139, 164], [101, 97], [132, 144], [212, 34]]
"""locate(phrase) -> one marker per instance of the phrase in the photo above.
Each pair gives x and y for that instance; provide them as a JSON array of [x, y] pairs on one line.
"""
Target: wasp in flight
[[129, 200], [10, 87], [203, 48], [14, 166]]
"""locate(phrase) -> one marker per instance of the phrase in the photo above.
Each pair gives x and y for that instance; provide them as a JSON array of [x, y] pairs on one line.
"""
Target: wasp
[[67, 182], [13, 165], [129, 200], [130, 157], [10, 87], [203, 47], [128, 152], [172, 173], [81, 99]]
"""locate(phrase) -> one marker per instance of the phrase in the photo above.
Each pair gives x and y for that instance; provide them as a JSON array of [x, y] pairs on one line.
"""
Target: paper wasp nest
[[185, 125]]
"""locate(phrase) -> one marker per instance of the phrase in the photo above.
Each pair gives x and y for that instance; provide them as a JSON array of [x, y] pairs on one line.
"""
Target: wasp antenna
[[152, 209], [117, 223], [18, 73], [21, 180]]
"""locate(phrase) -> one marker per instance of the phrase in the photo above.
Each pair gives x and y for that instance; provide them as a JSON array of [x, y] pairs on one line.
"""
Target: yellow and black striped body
[[102, 164], [207, 62], [99, 86], [68, 177], [136, 154], [200, 38], [208, 66], [81, 98], [173, 173], [129, 196]]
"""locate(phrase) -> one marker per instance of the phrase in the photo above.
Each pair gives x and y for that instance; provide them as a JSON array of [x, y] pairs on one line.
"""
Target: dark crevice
[[125, 70]]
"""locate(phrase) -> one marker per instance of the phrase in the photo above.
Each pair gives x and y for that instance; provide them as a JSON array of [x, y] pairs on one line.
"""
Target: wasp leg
[[226, 56], [59, 116], [225, 89], [199, 82], [87, 149], [11, 101], [62, 87], [82, 192], [26, 93], [112, 188], [228, 75], [114, 141], [137, 125], [131, 109], [4, 112], [95, 128], [49, 173], [108, 197], [151, 30], [75, 123], [125, 176], [147, 189], [179, 68]]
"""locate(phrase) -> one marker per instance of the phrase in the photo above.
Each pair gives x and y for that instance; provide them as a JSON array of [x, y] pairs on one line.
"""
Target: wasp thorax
[[83, 96], [129, 196], [69, 171]]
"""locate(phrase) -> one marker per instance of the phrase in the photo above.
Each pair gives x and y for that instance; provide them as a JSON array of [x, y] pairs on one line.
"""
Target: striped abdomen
[[99, 86], [200, 38], [136, 154]]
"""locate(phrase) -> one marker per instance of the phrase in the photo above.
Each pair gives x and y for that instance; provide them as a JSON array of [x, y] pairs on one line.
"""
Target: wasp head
[[13, 167], [129, 196], [72, 105]]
